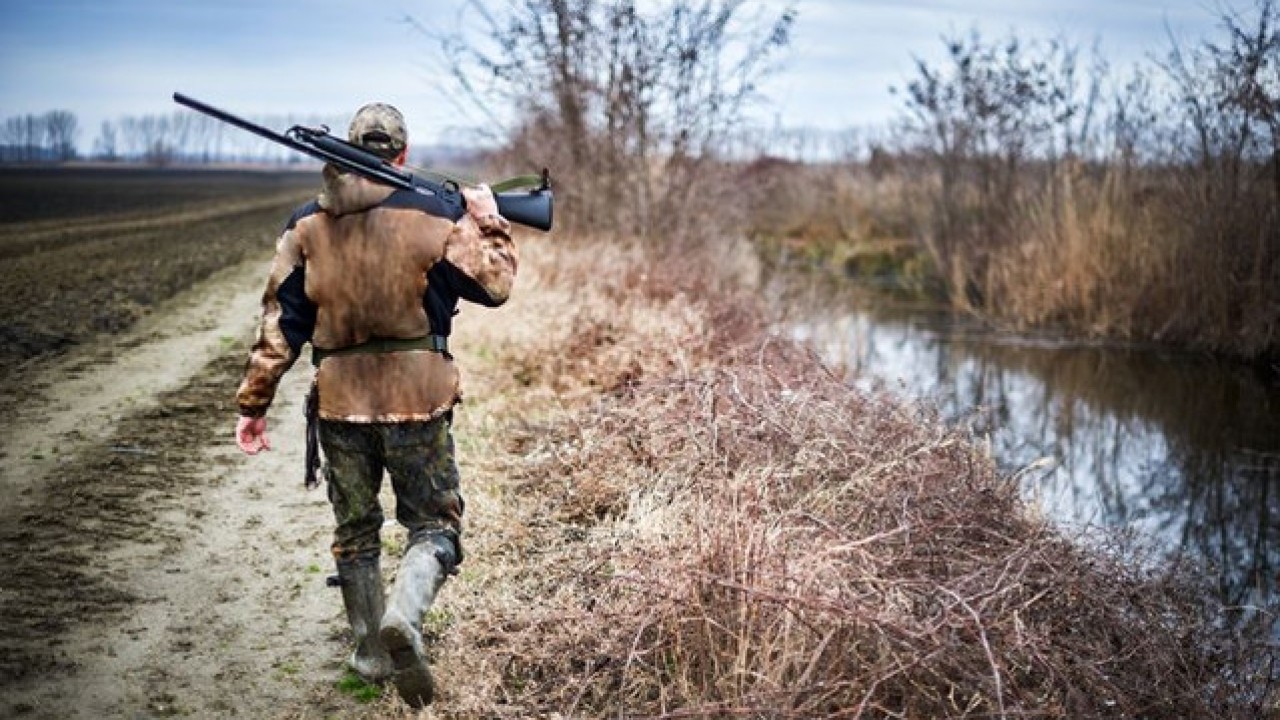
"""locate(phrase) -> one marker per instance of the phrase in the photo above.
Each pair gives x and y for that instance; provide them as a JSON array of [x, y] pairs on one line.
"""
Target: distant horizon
[[105, 62], [284, 159]]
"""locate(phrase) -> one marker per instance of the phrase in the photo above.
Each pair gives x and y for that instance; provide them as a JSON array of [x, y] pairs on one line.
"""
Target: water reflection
[[1181, 450]]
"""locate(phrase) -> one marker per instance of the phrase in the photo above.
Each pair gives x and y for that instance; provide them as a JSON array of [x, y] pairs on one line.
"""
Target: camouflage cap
[[379, 128]]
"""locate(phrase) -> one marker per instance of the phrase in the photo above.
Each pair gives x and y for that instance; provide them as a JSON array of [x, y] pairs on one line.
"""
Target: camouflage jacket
[[368, 262]]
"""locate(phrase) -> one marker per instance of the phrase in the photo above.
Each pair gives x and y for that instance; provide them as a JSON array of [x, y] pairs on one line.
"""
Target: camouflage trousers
[[418, 456]]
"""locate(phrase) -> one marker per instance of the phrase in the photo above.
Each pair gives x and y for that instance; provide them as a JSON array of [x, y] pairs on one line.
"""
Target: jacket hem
[[386, 417]]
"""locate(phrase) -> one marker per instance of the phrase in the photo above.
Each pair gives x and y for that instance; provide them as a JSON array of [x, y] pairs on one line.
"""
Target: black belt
[[434, 343]]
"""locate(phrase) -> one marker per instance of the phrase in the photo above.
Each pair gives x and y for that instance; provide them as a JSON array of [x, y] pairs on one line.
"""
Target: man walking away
[[371, 276]]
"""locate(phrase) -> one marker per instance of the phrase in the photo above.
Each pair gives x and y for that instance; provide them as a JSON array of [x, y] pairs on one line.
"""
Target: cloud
[[102, 60], [847, 54]]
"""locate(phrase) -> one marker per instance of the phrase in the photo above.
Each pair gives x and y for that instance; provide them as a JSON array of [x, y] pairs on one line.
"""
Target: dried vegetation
[[710, 523]]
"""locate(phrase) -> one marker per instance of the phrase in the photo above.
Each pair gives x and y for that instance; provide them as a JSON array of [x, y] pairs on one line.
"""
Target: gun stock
[[531, 208]]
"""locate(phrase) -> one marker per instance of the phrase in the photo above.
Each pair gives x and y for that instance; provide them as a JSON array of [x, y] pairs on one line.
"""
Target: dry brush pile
[[719, 526]]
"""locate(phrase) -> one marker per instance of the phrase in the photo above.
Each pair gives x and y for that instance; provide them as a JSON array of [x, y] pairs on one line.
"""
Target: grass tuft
[[352, 685]]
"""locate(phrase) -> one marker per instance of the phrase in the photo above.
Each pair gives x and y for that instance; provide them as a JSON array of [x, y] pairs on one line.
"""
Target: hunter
[[371, 276]]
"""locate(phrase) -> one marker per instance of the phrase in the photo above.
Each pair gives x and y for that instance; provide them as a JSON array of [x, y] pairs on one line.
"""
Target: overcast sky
[[104, 59]]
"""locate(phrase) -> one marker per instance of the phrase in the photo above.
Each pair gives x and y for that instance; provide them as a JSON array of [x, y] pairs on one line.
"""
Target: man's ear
[[402, 158]]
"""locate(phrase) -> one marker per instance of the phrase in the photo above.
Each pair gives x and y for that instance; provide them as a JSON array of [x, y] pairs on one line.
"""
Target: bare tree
[[629, 102], [25, 137], [992, 110], [105, 147], [61, 127], [10, 138], [1228, 99], [1250, 63], [1132, 123]]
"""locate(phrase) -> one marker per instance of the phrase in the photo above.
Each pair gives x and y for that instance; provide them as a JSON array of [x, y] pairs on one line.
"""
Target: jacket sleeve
[[288, 320], [483, 253]]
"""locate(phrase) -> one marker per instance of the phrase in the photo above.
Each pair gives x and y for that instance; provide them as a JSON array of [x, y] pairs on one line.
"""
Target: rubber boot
[[361, 582], [422, 571]]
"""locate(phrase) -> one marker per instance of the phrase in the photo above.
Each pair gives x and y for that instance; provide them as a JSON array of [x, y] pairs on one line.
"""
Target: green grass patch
[[351, 684], [393, 546], [436, 622]]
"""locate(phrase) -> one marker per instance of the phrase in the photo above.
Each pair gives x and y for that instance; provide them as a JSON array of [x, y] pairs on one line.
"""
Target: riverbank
[[1179, 449], [674, 513], [1097, 254]]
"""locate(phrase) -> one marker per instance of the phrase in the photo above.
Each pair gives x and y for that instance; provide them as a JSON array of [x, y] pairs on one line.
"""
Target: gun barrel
[[360, 156], [532, 208], [241, 123]]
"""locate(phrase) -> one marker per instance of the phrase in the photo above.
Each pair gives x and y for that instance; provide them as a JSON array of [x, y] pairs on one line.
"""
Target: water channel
[[1180, 450]]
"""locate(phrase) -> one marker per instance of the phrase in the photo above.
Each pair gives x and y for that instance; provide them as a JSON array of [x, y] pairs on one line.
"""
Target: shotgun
[[531, 207]]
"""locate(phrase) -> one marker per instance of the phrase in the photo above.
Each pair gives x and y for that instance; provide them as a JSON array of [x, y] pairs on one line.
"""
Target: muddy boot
[[422, 572], [361, 583]]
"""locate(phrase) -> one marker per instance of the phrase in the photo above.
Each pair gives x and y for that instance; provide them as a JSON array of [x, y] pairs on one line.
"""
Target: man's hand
[[251, 434], [480, 201]]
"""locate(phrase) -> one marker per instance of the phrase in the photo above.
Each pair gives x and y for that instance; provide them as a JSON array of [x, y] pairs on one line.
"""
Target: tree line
[[156, 139], [39, 138]]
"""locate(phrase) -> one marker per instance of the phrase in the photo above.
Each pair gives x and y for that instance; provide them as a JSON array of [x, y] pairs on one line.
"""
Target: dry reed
[[714, 525]]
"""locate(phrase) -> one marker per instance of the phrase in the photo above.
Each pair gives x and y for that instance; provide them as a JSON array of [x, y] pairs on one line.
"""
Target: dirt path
[[148, 569]]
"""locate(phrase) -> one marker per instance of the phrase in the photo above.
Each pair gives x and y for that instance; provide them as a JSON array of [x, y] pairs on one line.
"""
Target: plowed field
[[146, 570]]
